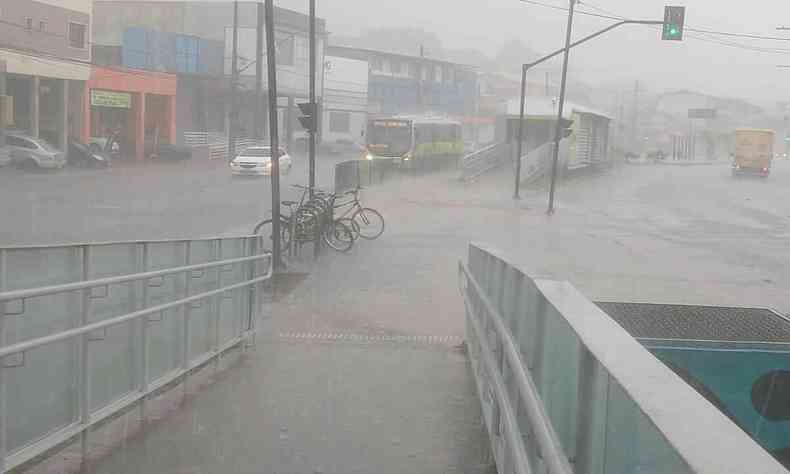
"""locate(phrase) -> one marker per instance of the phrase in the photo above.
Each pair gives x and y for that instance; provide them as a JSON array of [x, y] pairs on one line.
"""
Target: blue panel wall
[[152, 50]]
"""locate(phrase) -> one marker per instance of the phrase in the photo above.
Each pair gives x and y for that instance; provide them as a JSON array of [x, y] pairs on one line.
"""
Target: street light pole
[[520, 130], [558, 127], [234, 80], [528, 66], [273, 137]]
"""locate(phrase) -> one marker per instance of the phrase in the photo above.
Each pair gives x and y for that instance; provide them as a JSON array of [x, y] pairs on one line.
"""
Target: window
[[437, 73], [77, 35], [340, 122], [42, 26], [448, 74], [376, 64], [395, 66], [29, 23]]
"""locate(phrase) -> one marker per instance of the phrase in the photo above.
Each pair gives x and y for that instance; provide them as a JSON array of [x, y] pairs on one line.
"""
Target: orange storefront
[[141, 105]]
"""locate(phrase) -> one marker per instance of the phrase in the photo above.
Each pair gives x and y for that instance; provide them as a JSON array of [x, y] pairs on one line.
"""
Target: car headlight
[[368, 156]]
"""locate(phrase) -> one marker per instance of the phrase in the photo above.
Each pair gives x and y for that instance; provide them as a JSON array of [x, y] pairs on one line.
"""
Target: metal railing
[[218, 143], [564, 389], [483, 160], [88, 331]]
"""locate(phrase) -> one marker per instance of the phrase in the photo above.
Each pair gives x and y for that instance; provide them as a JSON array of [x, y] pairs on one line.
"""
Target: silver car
[[31, 153]]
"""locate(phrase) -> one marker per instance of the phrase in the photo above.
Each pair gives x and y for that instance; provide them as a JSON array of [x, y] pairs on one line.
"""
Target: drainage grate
[[713, 323]]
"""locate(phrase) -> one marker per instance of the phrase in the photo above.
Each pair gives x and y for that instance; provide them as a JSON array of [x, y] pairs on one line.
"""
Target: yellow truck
[[754, 151]]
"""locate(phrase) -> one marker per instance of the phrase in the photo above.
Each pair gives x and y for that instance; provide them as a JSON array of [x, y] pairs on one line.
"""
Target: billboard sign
[[702, 113], [118, 100]]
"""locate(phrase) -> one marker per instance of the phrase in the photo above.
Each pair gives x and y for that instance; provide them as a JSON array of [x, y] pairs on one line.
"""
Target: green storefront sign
[[119, 100]]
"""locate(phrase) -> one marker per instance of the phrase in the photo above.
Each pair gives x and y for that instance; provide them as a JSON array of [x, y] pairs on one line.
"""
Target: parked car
[[257, 161], [87, 156], [31, 153]]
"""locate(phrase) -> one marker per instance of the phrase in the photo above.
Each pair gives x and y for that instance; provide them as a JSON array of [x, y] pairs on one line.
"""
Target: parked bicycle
[[364, 222], [309, 220]]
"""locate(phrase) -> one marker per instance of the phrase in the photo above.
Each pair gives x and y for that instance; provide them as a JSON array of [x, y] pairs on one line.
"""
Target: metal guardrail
[[90, 330], [565, 389], [483, 160]]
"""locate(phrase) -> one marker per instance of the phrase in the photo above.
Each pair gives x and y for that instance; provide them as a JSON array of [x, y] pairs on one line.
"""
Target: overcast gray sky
[[633, 52]]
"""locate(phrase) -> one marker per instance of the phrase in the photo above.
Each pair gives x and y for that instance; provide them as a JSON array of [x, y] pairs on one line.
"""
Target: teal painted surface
[[729, 373]]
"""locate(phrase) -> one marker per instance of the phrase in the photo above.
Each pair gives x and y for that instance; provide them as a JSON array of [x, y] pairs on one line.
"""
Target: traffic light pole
[[520, 129], [275, 147], [527, 66], [312, 132], [555, 151]]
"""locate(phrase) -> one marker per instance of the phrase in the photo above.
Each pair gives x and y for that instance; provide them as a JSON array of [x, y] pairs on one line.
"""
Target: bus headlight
[[368, 156], [407, 157]]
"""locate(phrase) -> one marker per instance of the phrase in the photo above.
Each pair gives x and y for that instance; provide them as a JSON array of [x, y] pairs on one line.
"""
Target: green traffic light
[[673, 31]]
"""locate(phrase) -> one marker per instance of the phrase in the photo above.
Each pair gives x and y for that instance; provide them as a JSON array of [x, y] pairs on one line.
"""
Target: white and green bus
[[412, 142]]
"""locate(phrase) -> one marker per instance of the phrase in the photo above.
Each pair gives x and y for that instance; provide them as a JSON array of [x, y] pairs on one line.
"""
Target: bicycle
[[365, 222], [308, 219]]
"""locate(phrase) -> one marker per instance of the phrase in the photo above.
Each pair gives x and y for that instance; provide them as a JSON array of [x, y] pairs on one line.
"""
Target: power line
[[613, 16]]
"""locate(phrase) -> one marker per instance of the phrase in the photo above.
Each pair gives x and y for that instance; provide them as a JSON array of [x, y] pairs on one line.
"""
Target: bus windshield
[[389, 137]]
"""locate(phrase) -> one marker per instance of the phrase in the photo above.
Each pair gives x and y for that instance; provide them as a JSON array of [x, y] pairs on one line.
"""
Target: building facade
[[402, 84], [45, 62], [191, 28], [345, 106]]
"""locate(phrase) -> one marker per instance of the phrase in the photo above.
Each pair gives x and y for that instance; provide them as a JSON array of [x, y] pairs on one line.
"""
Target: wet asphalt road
[[139, 201]]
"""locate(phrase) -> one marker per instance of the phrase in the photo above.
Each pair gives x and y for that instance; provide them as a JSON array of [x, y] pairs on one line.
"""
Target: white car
[[257, 161], [29, 152]]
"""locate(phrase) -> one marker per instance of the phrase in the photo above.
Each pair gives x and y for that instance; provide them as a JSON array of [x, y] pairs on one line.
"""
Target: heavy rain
[[304, 236]]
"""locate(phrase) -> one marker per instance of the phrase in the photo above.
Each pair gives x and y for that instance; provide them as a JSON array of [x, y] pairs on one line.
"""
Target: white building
[[44, 65], [345, 100]]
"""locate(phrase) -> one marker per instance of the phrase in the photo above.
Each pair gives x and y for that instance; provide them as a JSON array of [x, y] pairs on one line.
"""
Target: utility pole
[[420, 69], [558, 127], [234, 82], [635, 119], [273, 138], [316, 121], [259, 73]]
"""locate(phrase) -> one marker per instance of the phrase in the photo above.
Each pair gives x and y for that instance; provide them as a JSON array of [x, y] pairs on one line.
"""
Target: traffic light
[[308, 118], [673, 23]]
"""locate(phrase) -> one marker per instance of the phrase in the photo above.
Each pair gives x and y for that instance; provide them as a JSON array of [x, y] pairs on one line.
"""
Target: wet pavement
[[358, 369]]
